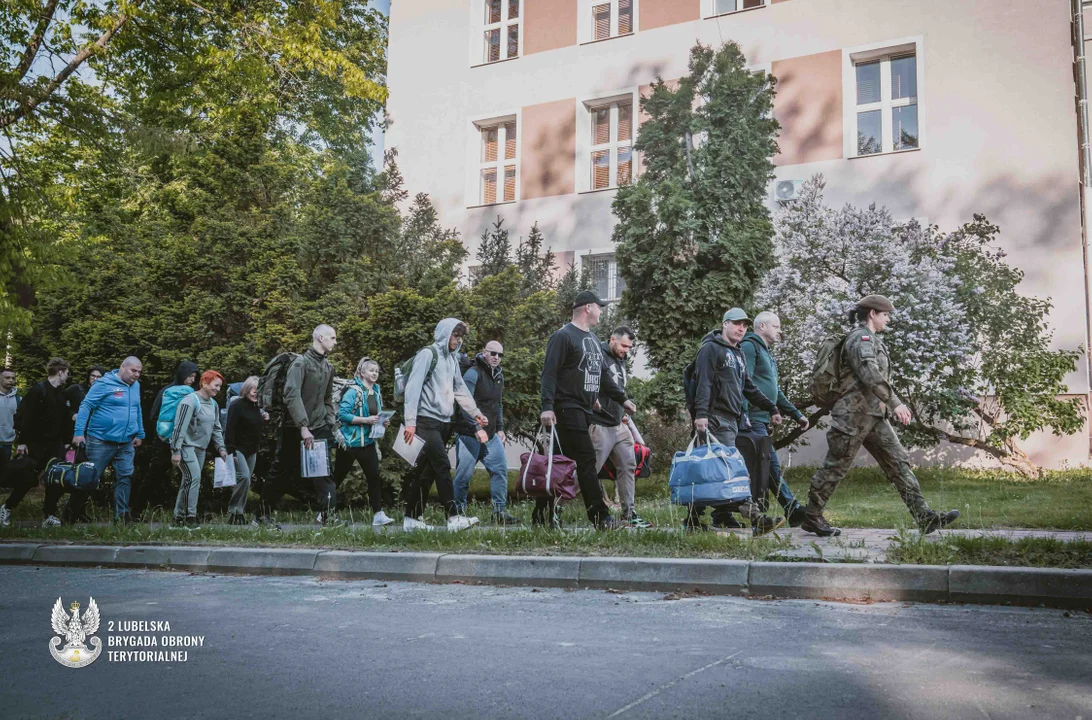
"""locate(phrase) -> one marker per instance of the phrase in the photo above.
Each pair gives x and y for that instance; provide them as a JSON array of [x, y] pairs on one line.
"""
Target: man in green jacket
[[311, 415], [762, 367]]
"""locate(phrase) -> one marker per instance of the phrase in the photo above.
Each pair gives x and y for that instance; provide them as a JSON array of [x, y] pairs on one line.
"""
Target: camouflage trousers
[[879, 439]]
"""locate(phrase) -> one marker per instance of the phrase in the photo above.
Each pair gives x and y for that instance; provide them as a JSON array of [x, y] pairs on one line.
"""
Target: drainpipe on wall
[[1085, 154]]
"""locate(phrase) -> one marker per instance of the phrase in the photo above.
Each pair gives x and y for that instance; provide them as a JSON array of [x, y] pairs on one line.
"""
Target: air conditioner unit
[[786, 190]]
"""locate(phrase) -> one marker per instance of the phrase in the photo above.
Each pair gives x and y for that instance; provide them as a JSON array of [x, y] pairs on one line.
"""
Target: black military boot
[[797, 516], [818, 525], [939, 520]]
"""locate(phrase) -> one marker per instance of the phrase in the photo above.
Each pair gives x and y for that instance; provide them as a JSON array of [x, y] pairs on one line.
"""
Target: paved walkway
[[853, 545]]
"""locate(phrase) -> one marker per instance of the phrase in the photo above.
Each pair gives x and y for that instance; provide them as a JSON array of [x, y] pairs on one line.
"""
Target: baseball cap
[[735, 314], [587, 297]]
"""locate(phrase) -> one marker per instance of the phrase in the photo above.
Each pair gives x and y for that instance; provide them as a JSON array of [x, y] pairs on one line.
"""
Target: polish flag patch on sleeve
[[866, 337]]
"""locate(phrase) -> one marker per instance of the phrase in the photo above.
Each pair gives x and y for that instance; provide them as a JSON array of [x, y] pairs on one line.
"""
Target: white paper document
[[224, 472], [380, 428], [408, 452], [316, 461]]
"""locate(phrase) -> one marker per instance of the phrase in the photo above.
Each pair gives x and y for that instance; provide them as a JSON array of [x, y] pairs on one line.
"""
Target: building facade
[[528, 109]]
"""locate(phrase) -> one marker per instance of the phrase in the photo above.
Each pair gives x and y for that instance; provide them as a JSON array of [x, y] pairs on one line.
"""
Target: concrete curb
[[926, 583]]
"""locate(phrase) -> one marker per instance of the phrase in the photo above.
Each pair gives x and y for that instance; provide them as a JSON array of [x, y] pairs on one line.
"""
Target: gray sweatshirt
[[9, 402], [436, 397], [197, 422]]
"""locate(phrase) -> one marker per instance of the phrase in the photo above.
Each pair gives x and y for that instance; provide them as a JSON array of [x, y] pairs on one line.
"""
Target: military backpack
[[827, 382]]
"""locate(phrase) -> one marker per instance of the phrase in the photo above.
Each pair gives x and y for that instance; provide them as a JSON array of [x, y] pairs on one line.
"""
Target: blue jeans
[[785, 498], [469, 452], [102, 453]]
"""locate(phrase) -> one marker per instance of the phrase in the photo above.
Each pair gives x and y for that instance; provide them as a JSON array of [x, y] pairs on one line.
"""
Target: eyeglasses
[[495, 354]]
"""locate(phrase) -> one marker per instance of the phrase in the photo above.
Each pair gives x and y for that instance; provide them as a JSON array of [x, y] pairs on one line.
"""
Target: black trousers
[[433, 465], [19, 475], [574, 442], [368, 459], [287, 474]]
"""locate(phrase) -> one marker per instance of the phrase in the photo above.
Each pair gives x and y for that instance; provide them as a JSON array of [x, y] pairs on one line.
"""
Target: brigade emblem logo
[[75, 631]]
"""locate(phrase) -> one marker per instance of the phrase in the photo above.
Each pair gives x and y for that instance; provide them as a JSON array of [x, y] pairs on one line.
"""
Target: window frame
[[883, 52], [585, 144], [709, 8], [479, 27], [614, 278], [586, 24], [473, 192]]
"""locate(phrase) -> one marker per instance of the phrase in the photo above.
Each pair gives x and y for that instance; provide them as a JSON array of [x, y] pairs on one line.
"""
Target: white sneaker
[[409, 524], [51, 521], [5, 516], [380, 519], [455, 523]]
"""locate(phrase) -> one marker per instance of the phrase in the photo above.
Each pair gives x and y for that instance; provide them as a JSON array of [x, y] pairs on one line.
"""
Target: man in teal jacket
[[111, 424], [762, 367]]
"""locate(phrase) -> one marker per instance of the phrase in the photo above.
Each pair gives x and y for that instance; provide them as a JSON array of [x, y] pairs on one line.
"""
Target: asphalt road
[[305, 648]]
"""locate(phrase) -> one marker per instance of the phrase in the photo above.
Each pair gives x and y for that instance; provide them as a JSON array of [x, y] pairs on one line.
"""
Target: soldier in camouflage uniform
[[861, 417]]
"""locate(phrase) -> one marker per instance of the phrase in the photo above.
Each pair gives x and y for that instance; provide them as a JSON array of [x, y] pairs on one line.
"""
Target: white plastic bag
[[224, 472]]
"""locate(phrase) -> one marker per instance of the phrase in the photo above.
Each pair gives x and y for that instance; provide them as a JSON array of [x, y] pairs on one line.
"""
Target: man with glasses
[[485, 382]]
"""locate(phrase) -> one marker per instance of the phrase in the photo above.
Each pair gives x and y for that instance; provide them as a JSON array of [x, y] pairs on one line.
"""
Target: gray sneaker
[[5, 516]]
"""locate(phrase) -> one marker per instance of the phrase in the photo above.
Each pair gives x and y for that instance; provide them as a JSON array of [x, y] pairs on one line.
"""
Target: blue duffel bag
[[81, 476], [710, 474]]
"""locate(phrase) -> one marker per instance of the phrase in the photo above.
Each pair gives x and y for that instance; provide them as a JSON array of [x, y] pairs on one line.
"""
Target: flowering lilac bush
[[970, 355]]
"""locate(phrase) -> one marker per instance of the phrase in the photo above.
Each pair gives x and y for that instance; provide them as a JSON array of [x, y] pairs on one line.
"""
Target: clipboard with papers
[[408, 451]]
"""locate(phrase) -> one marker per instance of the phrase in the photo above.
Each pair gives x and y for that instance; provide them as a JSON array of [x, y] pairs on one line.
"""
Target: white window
[[886, 112], [502, 29], [724, 7], [606, 281], [603, 19], [497, 162], [609, 156]]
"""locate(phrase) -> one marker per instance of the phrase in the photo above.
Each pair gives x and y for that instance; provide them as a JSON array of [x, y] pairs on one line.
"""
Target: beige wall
[[548, 25], [998, 126], [549, 149], [658, 13], [809, 107]]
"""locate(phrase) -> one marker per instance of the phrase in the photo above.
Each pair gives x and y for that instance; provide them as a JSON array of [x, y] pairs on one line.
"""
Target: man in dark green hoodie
[[762, 367]]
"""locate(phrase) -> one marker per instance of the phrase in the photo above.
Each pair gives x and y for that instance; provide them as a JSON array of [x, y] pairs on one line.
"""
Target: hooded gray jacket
[[436, 397]]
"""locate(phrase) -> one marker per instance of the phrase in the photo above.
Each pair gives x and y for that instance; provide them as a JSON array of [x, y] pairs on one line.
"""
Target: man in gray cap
[[861, 417], [721, 383]]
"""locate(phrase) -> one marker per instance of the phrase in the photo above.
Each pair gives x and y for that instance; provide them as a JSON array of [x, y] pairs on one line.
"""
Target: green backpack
[[827, 383], [402, 374]]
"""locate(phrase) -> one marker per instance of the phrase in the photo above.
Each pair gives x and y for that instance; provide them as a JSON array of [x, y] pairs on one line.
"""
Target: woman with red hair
[[195, 424]]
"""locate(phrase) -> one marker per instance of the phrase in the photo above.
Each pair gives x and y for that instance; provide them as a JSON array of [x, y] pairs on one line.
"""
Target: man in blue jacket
[[112, 426]]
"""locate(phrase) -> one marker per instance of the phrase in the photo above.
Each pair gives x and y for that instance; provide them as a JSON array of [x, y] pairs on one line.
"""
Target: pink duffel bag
[[542, 475]]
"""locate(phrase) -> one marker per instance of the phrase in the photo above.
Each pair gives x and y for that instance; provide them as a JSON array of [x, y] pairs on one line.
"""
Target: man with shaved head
[[111, 426], [485, 381], [311, 413]]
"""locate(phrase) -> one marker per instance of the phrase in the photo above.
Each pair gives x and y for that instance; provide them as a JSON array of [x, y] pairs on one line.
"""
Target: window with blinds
[[503, 25], [603, 273], [723, 7], [498, 163], [610, 18], [611, 144], [887, 104]]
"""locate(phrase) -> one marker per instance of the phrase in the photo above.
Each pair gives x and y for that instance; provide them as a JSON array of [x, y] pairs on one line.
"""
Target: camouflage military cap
[[875, 302]]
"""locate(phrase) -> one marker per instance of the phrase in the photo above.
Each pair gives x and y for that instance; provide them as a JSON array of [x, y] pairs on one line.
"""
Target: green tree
[[694, 235]]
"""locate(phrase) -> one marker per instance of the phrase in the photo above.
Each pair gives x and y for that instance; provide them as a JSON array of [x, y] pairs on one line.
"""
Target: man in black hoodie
[[720, 372], [572, 380], [43, 426], [156, 481]]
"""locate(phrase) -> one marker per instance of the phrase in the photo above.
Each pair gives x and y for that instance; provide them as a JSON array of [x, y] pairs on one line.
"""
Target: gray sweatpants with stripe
[[193, 459]]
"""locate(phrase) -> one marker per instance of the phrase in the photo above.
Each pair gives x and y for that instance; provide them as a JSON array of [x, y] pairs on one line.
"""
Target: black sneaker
[[797, 517], [726, 521], [819, 526], [609, 523], [764, 524], [178, 523], [939, 520], [503, 517], [192, 524], [695, 526]]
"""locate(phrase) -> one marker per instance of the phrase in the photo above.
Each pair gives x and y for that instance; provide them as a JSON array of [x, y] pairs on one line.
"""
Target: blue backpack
[[81, 476], [168, 409]]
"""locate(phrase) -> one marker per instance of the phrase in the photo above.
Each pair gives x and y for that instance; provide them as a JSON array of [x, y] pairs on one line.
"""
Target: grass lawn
[[1060, 501]]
